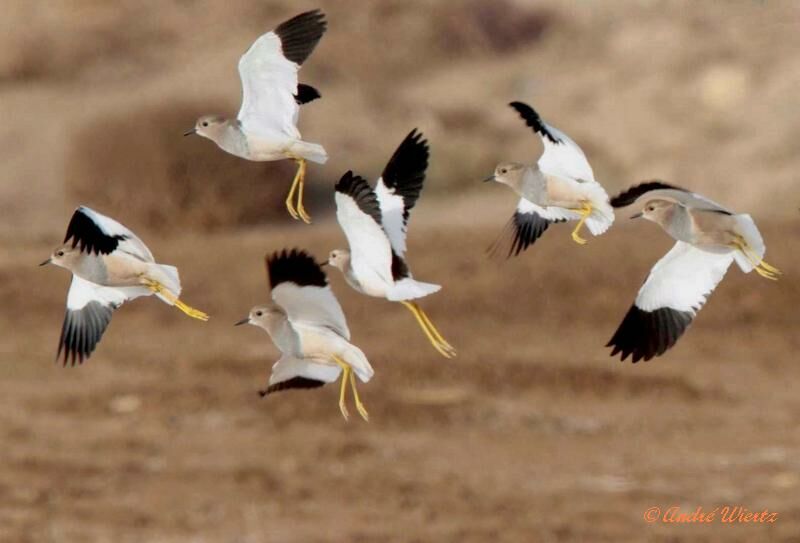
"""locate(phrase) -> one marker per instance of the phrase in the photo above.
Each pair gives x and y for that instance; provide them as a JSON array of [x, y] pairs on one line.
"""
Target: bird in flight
[[110, 265], [307, 325], [266, 127], [375, 223], [559, 187], [709, 238]]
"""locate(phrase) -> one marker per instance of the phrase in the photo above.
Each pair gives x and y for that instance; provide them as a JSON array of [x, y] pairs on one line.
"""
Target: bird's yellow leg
[[290, 196], [359, 406], [585, 210], [343, 388], [301, 176], [443, 342], [762, 268], [413, 308], [158, 288]]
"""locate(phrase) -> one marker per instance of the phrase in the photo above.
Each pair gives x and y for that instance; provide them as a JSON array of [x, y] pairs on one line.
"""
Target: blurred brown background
[[533, 433]]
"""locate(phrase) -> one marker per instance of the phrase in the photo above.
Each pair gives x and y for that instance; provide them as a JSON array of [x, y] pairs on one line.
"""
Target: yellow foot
[[290, 207], [192, 312], [585, 210], [302, 212], [759, 265], [359, 406], [766, 274], [298, 211], [158, 288], [577, 239], [343, 387], [444, 348]]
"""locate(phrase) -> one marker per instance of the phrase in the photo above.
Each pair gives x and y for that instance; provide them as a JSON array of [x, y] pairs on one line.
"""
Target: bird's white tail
[[602, 216], [410, 289], [357, 360], [748, 230], [310, 151], [168, 277]]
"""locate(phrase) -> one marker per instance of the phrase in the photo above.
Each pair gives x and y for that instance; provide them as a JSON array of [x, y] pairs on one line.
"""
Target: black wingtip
[[306, 94], [405, 171], [521, 231], [83, 230], [294, 266], [293, 383], [81, 331], [629, 196], [301, 34], [643, 335], [359, 190], [533, 120]]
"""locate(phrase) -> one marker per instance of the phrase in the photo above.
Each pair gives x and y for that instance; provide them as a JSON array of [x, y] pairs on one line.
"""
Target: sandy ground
[[531, 434]]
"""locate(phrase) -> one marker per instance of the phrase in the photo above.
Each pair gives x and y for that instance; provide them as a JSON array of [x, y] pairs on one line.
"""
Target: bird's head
[[339, 258], [208, 126], [65, 256], [264, 316], [659, 211], [508, 173]]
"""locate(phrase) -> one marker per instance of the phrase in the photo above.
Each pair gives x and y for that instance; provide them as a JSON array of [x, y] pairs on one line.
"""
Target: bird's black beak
[[190, 132], [490, 178], [243, 321], [637, 215], [46, 262]]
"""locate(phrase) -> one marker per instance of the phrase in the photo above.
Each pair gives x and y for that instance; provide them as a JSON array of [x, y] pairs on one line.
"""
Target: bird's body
[[266, 127], [375, 224], [110, 265], [709, 238], [306, 323], [559, 187]]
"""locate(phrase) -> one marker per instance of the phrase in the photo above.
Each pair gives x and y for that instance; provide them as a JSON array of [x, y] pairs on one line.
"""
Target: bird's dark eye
[[259, 313], [60, 253], [205, 123], [503, 170]]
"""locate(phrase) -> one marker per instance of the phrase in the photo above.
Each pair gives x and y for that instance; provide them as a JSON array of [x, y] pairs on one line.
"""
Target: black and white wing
[[89, 310], [291, 372], [399, 188], [271, 96], [100, 235], [675, 290], [526, 226], [561, 157], [300, 287], [359, 214], [659, 189]]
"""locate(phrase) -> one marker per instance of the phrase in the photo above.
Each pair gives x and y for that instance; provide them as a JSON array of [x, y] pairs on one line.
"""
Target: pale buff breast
[[712, 229], [123, 270], [564, 193]]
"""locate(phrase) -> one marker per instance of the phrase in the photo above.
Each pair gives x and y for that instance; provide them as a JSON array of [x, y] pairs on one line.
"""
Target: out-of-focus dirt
[[531, 434], [94, 97]]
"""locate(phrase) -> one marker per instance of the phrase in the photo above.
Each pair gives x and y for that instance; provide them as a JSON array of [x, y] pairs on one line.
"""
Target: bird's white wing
[[675, 290], [96, 233], [300, 287], [562, 156], [268, 71], [89, 309], [311, 304], [359, 215], [399, 188], [292, 372]]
